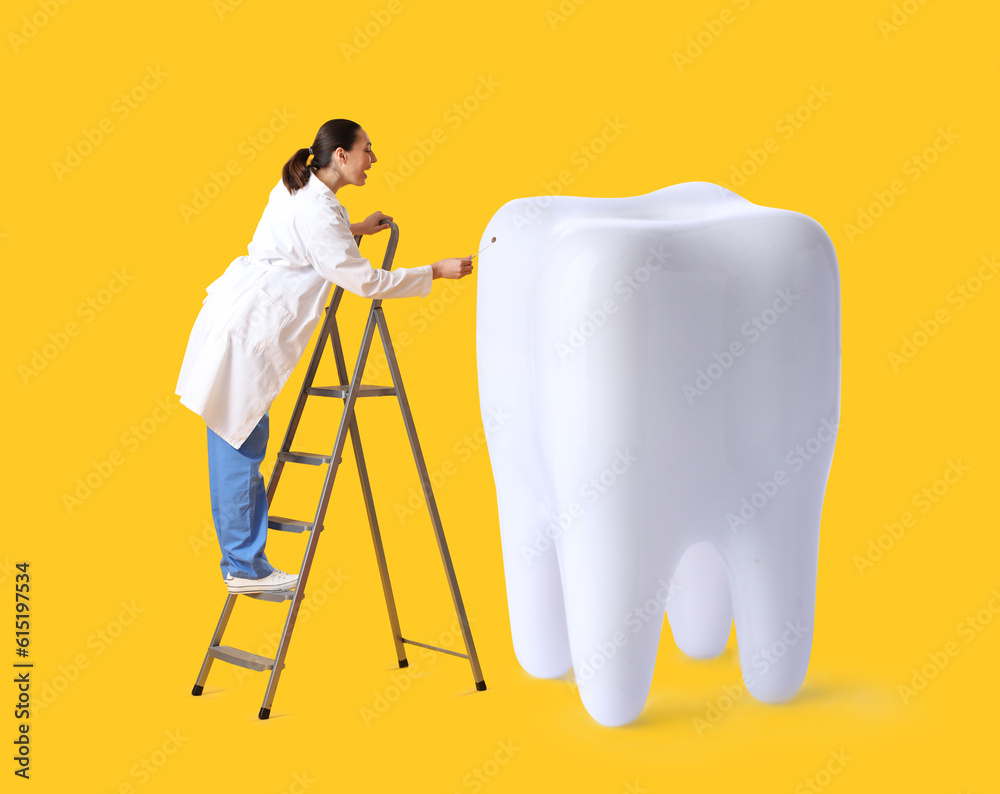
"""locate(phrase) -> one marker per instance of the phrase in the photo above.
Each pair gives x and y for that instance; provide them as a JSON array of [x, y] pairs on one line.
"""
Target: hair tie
[[310, 150]]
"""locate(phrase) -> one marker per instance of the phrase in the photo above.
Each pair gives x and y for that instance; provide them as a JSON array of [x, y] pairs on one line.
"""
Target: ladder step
[[272, 595], [241, 658], [288, 524], [311, 458], [366, 390]]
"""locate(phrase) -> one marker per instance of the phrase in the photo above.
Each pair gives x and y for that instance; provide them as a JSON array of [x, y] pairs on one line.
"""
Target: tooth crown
[[671, 367]]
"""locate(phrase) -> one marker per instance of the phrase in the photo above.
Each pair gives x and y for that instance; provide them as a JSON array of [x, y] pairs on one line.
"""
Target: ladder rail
[[425, 482], [300, 402], [359, 456], [220, 628]]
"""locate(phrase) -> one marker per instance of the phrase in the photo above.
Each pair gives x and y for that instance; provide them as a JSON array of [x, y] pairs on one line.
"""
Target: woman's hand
[[371, 224], [452, 268]]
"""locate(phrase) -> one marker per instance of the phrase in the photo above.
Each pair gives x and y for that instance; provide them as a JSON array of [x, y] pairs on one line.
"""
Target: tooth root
[[774, 594], [614, 619], [534, 587], [700, 607]]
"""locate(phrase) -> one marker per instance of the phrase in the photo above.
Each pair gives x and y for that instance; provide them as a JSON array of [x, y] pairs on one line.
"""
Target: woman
[[257, 319]]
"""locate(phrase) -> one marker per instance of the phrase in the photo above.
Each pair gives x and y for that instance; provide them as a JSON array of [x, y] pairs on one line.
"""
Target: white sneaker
[[276, 580]]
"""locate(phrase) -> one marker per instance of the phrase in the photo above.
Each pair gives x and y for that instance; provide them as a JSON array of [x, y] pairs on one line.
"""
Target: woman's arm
[[444, 268], [334, 254]]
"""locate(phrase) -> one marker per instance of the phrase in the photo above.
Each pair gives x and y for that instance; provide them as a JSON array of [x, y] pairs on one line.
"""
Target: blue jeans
[[239, 502]]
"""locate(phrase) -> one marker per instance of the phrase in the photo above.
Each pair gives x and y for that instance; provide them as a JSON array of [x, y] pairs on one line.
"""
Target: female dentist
[[256, 321]]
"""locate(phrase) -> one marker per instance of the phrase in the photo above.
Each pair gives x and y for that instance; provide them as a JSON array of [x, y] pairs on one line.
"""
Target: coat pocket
[[259, 319]]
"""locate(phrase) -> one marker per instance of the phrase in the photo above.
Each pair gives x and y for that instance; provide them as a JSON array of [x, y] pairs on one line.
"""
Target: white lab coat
[[258, 316]]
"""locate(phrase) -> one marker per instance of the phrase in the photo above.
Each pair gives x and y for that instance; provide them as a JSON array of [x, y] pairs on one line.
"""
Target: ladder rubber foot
[[481, 686], [264, 714], [197, 690], [404, 663]]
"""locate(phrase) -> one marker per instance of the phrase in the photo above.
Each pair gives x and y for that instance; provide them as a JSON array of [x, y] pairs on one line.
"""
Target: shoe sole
[[267, 589]]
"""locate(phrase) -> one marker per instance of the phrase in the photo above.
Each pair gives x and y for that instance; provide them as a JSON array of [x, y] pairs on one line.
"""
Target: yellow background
[[144, 537]]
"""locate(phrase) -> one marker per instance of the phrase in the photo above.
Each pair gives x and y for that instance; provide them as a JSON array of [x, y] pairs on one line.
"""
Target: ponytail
[[295, 172], [334, 134]]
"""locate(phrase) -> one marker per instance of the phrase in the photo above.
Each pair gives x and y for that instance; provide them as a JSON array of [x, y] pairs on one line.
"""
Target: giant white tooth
[[670, 367]]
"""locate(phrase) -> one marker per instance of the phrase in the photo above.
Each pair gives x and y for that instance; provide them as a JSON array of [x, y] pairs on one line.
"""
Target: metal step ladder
[[349, 391]]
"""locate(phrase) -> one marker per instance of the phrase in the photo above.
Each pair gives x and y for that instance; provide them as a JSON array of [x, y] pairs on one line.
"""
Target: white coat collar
[[317, 186]]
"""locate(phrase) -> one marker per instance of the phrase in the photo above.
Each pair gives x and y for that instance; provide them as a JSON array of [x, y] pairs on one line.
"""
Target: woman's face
[[359, 160]]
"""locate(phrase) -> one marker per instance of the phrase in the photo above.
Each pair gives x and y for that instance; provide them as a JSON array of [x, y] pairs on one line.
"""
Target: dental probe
[[492, 240]]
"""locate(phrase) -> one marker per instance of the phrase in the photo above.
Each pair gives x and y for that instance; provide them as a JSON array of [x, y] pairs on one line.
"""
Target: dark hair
[[336, 133]]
